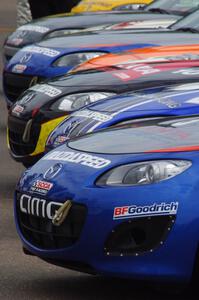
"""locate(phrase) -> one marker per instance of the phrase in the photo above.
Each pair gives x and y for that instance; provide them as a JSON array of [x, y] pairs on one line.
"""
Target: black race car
[[56, 56], [42, 107], [35, 31]]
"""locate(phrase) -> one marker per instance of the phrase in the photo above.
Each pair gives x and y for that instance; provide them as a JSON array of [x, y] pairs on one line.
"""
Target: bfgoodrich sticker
[[134, 211]]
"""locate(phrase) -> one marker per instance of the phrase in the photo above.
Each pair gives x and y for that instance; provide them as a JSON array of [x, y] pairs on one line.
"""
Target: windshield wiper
[[159, 10], [188, 29]]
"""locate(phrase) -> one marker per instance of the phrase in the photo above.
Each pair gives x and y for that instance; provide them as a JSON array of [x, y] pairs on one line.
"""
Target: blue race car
[[173, 100], [122, 201], [33, 64]]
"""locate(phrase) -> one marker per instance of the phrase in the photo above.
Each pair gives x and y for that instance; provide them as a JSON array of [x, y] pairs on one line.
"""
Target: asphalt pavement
[[27, 277]]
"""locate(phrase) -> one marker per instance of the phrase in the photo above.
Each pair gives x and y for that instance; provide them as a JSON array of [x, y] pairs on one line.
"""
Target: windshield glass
[[180, 7], [191, 21], [142, 136]]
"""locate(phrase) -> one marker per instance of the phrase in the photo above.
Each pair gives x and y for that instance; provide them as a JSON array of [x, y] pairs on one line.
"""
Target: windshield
[[191, 21], [180, 7], [142, 136]]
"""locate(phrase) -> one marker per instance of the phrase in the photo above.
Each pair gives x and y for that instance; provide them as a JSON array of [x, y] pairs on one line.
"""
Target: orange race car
[[97, 5]]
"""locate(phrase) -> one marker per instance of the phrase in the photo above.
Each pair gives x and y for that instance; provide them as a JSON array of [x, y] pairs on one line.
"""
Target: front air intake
[[140, 235]]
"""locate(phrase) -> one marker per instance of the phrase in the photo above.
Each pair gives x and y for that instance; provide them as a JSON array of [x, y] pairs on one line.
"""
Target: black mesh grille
[[139, 235], [41, 232], [16, 84], [16, 129]]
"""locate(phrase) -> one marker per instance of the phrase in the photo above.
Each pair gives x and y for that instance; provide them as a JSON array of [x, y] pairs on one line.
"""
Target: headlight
[[73, 60], [63, 32], [77, 101], [129, 7], [143, 173]]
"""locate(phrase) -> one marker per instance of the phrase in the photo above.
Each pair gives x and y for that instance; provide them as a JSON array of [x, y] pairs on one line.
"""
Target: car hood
[[156, 98], [131, 77], [83, 160], [36, 60], [154, 102], [172, 134], [105, 39], [37, 30], [142, 55], [41, 96]]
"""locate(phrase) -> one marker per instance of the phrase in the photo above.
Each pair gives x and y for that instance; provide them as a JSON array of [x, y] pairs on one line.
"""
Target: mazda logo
[[53, 171], [25, 58]]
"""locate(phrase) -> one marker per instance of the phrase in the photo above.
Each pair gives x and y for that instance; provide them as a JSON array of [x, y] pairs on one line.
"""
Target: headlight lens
[[63, 32], [129, 7], [75, 59], [77, 101], [143, 173]]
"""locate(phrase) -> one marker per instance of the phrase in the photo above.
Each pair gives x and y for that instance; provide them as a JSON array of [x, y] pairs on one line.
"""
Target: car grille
[[16, 84], [16, 129], [41, 232]]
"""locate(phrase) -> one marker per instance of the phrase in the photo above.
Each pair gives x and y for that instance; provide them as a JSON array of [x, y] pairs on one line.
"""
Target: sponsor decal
[[60, 139], [19, 34], [143, 69], [193, 101], [134, 211], [36, 28], [78, 158], [41, 50], [16, 41], [70, 127], [185, 123], [25, 58], [141, 24], [131, 63], [38, 207], [27, 98], [52, 171], [133, 71], [186, 87], [169, 103], [46, 89], [19, 68], [17, 37], [187, 72], [18, 109], [41, 187], [93, 115]]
